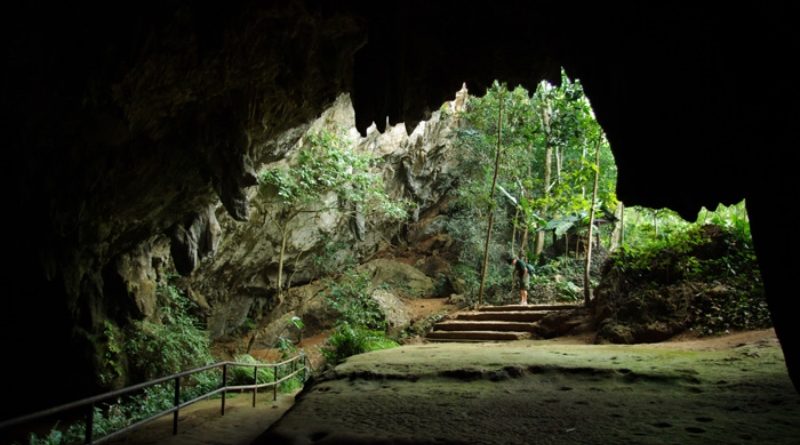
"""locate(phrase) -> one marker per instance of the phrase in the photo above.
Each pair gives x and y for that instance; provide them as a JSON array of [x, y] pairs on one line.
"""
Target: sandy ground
[[722, 390]]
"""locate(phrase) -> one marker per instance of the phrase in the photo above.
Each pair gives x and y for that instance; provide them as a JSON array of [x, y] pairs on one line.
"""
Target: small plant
[[285, 344], [348, 340], [243, 375]]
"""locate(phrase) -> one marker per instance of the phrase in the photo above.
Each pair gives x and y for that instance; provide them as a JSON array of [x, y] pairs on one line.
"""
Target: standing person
[[523, 277]]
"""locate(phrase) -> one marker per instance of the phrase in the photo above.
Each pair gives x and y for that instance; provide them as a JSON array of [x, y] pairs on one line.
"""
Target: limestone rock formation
[[241, 277]]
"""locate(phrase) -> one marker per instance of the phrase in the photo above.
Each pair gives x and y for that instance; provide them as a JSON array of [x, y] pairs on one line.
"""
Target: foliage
[[733, 217], [645, 226], [349, 297], [361, 323], [722, 256], [111, 417], [348, 339], [328, 163], [243, 375], [173, 342], [333, 258], [284, 343], [554, 120], [111, 363]]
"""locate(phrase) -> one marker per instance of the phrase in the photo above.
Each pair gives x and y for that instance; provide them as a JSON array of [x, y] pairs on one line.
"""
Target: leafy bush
[[348, 340], [111, 417], [243, 375], [720, 262], [349, 296], [173, 343], [361, 324]]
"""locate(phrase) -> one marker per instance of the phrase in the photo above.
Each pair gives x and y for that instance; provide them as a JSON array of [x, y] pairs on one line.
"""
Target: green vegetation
[[549, 149], [545, 176], [361, 324], [171, 343], [713, 256], [173, 340], [329, 173], [347, 340], [243, 375], [326, 166]]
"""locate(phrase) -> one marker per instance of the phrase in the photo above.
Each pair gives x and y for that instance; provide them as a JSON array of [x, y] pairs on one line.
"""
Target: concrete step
[[477, 336], [520, 316], [529, 308], [488, 325]]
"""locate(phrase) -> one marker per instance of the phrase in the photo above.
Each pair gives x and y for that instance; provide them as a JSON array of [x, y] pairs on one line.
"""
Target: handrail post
[[89, 425], [224, 385], [255, 382], [177, 403], [275, 385]]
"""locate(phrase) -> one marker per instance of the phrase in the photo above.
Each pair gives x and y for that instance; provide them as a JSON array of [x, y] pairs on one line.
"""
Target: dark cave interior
[[121, 122]]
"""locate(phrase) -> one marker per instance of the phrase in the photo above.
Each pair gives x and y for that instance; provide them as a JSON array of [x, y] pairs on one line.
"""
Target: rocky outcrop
[[194, 239], [240, 280], [709, 283], [139, 271], [408, 280]]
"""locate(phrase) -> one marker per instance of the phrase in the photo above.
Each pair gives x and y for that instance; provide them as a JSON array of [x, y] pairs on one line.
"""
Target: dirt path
[[202, 423], [723, 390]]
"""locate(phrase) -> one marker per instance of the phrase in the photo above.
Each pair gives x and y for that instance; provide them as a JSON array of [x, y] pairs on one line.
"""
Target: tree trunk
[[619, 228], [548, 167], [548, 171], [558, 166], [284, 237], [491, 202], [587, 284], [514, 229]]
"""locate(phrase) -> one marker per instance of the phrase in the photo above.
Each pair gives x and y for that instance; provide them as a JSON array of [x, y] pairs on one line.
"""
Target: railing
[[90, 402]]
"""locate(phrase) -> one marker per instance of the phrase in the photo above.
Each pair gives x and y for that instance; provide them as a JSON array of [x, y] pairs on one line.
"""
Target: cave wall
[[239, 280], [126, 122]]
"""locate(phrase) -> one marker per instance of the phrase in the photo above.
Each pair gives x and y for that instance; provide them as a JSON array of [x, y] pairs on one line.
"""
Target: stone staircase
[[494, 323]]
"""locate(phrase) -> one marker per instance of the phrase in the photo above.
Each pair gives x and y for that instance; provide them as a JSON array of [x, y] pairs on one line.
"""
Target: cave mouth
[[655, 273], [440, 171], [127, 141]]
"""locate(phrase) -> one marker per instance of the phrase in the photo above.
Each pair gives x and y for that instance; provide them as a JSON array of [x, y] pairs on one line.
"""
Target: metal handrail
[[177, 406]]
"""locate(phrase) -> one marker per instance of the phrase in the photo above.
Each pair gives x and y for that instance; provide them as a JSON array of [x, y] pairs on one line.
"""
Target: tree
[[587, 284], [491, 198], [326, 165], [544, 170]]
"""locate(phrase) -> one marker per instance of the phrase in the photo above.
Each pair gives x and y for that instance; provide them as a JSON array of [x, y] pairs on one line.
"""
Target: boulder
[[406, 280]]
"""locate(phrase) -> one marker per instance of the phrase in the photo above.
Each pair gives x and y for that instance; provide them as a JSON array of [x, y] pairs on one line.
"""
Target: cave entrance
[[552, 151]]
